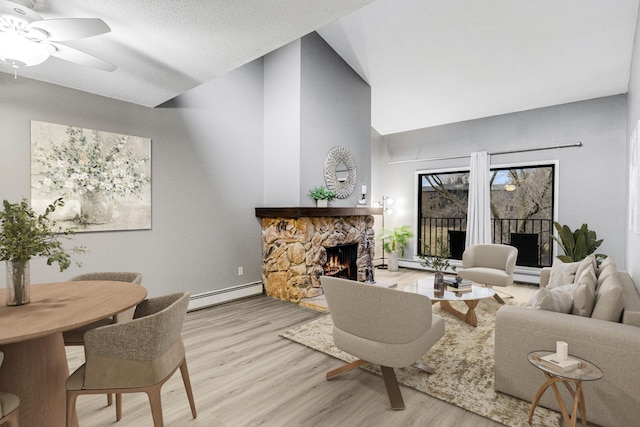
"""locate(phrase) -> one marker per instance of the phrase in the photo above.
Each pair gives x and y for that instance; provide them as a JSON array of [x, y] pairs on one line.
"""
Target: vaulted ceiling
[[428, 62]]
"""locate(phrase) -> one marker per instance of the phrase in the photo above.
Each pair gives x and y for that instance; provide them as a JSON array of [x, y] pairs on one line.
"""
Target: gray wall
[[206, 169], [335, 111], [633, 240], [592, 179], [209, 156]]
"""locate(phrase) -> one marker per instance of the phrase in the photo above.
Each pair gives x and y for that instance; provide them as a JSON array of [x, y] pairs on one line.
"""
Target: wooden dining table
[[35, 363]]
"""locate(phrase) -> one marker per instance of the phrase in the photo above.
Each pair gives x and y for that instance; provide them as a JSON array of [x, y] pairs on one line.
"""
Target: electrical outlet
[[240, 271]]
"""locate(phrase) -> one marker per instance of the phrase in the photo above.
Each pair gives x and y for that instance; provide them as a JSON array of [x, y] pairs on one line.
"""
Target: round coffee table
[[585, 371], [470, 297]]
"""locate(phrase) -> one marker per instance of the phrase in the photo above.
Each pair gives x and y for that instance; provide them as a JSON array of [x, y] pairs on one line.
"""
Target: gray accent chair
[[489, 264], [136, 356], [383, 326], [76, 336], [9, 406]]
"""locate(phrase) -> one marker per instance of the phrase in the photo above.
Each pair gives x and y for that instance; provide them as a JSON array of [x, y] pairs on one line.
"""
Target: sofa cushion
[[562, 273], [609, 300], [559, 299], [631, 318]]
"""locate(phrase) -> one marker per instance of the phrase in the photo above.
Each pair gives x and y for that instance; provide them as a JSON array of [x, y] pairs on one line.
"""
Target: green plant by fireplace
[[396, 239]]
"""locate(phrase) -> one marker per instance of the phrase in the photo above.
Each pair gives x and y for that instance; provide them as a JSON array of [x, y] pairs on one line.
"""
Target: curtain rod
[[524, 150]]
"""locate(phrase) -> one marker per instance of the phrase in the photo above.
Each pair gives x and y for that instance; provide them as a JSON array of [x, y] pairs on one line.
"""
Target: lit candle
[[364, 189], [562, 350]]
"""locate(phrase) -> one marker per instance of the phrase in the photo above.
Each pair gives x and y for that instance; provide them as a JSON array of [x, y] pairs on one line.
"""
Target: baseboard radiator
[[219, 296]]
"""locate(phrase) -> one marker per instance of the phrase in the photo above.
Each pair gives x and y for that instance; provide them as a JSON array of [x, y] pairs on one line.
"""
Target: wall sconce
[[363, 200]]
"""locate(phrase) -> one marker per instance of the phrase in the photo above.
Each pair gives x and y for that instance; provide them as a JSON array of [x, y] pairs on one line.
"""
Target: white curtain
[[479, 210]]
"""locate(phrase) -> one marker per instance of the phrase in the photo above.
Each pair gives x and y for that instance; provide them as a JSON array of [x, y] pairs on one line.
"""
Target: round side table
[[585, 371]]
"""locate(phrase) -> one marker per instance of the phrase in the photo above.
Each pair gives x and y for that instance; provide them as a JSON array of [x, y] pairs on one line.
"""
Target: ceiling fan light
[[20, 52]]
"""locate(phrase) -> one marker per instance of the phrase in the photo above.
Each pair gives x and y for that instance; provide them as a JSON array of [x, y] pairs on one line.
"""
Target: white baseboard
[[207, 299]]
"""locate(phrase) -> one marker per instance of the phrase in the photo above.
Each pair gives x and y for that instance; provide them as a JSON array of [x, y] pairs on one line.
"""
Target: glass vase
[[438, 284], [18, 291]]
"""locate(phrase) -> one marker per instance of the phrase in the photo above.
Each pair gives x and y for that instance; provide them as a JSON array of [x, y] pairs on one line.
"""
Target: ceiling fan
[[27, 39]]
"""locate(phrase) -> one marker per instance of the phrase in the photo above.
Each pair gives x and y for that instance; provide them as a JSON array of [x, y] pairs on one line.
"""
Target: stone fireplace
[[295, 242]]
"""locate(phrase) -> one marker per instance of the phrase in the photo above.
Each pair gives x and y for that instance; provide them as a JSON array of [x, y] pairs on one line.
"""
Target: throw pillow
[[557, 299], [562, 273], [609, 300], [584, 298], [584, 295], [605, 272], [585, 264]]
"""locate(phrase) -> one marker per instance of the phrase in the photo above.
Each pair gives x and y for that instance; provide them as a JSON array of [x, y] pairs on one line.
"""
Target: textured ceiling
[[163, 48], [429, 62]]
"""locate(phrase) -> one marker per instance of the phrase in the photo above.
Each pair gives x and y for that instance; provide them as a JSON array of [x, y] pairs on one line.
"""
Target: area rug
[[463, 360]]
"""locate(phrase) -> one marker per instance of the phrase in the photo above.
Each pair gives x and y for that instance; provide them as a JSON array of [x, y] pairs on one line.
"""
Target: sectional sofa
[[602, 326]]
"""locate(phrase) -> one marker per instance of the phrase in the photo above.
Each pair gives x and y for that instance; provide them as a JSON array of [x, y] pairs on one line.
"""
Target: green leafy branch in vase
[[25, 235]]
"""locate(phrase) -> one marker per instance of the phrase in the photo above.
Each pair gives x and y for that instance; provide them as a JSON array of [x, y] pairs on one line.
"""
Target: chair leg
[[393, 389], [12, 419], [109, 399], [345, 368], [71, 406], [118, 406], [155, 401], [184, 371]]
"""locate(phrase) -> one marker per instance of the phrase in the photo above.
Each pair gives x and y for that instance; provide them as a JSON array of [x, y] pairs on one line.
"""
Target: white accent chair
[[383, 326], [9, 406], [489, 264]]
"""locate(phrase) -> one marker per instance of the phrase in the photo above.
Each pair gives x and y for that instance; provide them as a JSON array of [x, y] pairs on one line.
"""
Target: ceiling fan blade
[[71, 28], [76, 56]]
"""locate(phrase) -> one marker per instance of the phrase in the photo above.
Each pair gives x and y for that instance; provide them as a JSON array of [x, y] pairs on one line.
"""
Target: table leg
[[469, 317], [570, 420], [36, 371]]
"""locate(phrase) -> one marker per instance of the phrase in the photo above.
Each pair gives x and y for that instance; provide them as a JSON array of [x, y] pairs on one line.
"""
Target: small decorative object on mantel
[[437, 260], [322, 195], [25, 235]]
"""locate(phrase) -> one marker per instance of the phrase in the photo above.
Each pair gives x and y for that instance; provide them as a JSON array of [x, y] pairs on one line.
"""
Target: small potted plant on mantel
[[322, 195], [25, 235]]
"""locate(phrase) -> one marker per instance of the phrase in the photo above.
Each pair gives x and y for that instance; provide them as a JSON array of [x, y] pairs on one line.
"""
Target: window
[[521, 211]]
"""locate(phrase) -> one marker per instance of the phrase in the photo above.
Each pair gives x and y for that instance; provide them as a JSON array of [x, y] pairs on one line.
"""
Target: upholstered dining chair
[[9, 406], [489, 264], [379, 325], [136, 356], [76, 336]]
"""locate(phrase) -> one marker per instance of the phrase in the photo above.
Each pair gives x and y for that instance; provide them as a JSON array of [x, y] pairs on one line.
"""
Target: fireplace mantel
[[314, 212]]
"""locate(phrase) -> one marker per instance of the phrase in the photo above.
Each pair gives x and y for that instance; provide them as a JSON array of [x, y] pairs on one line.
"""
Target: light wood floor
[[244, 374]]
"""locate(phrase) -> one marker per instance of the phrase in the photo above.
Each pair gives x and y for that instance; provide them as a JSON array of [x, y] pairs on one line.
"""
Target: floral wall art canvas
[[104, 178]]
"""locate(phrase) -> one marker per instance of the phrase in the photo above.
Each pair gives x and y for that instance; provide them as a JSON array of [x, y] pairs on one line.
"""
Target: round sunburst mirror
[[340, 172]]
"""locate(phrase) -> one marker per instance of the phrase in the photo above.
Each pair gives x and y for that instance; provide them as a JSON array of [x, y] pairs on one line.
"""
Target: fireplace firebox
[[342, 261]]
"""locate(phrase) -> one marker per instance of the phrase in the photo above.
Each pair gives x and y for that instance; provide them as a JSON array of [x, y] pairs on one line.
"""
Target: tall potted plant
[[25, 235], [577, 245], [394, 242]]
